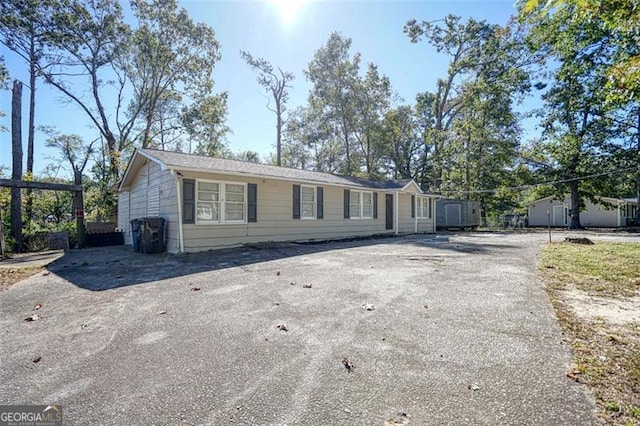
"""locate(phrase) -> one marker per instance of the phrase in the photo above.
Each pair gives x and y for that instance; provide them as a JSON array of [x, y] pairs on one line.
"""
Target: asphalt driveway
[[462, 332]]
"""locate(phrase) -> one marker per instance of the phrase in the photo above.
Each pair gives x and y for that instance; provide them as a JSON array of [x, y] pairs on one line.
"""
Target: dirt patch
[[594, 292], [10, 276], [617, 312]]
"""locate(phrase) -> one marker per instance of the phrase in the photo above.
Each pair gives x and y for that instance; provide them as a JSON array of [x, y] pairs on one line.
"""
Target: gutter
[[179, 198]]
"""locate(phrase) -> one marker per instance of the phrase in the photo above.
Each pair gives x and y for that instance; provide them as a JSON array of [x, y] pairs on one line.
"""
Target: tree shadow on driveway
[[106, 268]]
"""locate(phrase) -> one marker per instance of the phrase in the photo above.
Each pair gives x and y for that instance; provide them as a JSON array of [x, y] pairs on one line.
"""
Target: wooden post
[[1, 232], [16, 173], [79, 211]]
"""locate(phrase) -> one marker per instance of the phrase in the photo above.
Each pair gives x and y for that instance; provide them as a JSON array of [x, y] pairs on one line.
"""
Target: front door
[[389, 211], [560, 214]]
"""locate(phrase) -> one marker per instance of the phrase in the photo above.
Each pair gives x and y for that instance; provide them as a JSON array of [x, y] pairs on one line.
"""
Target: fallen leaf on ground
[[292, 283], [307, 285], [425, 306], [84, 325], [347, 364], [195, 288], [474, 387], [33, 317], [37, 359], [282, 327], [574, 374], [46, 273], [368, 307], [37, 306], [400, 418], [162, 312], [278, 273]]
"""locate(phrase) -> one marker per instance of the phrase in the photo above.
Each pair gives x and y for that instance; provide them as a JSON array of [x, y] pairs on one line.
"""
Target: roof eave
[[130, 166], [265, 176]]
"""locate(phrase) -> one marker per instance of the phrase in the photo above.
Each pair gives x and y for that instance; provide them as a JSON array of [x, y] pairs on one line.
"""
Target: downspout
[[619, 214], [179, 197], [395, 213], [433, 214], [415, 215]]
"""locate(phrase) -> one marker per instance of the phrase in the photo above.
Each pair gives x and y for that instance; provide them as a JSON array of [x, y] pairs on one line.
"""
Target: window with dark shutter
[[296, 201], [252, 202], [320, 202], [413, 206], [188, 201], [375, 205], [347, 198]]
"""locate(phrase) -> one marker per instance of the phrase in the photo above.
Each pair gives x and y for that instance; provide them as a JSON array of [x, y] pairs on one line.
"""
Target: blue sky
[[271, 30]]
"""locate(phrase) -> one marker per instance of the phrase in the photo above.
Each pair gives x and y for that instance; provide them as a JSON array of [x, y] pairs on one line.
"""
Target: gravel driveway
[[462, 333]]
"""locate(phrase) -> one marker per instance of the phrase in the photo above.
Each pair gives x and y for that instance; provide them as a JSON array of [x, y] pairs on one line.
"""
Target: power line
[[555, 182]]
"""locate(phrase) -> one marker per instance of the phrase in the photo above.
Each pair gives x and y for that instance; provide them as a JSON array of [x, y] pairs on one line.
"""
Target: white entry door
[[560, 215]]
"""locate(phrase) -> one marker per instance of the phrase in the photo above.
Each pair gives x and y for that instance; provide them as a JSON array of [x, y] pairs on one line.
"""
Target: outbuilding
[[609, 213], [210, 203]]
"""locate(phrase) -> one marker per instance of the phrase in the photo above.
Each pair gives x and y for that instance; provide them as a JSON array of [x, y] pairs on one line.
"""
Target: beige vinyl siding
[[153, 193], [275, 218], [594, 215], [406, 223], [123, 216]]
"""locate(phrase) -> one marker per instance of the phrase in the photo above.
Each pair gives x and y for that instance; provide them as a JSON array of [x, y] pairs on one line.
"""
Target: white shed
[[612, 213]]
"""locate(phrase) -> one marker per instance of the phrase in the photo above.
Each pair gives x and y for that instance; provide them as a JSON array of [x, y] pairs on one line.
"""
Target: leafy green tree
[[578, 124], [619, 18], [333, 73], [372, 101], [26, 29], [402, 142], [169, 54], [276, 83], [204, 124], [89, 35]]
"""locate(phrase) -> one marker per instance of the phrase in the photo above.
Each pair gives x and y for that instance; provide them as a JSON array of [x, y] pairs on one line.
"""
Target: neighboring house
[[212, 202], [613, 214]]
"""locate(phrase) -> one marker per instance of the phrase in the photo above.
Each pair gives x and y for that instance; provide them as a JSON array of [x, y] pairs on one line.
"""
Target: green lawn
[[606, 357], [611, 269]]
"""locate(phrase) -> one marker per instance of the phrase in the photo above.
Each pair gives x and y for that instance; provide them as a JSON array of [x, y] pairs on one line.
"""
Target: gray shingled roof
[[211, 164]]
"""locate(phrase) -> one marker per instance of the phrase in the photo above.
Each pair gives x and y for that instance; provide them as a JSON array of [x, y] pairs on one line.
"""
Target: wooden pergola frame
[[77, 195]]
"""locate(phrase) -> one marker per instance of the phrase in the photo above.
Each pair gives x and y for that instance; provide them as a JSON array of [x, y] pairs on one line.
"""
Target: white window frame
[[222, 191], [315, 203], [361, 204], [423, 208]]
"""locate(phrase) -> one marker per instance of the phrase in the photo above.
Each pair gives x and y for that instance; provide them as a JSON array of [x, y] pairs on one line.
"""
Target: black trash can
[[152, 240], [136, 234]]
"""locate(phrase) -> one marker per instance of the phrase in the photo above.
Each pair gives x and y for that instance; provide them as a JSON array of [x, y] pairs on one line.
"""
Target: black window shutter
[[347, 199], [320, 202], [430, 207], [296, 201], [188, 201], [252, 202], [375, 205], [413, 206]]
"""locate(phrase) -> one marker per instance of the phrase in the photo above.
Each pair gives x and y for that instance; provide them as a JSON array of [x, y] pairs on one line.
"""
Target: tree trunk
[[31, 128], [16, 173], [638, 171], [575, 207], [278, 133]]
